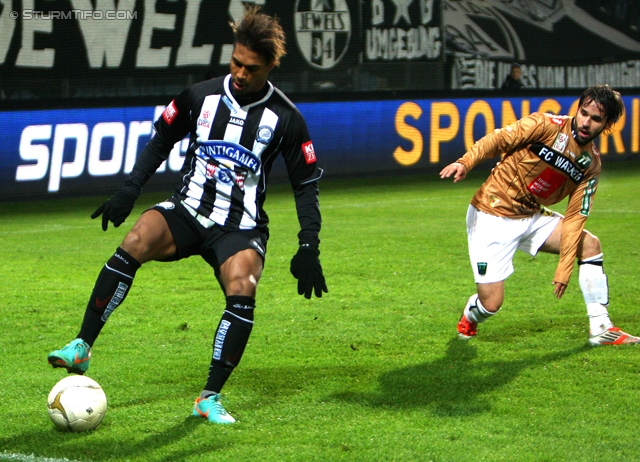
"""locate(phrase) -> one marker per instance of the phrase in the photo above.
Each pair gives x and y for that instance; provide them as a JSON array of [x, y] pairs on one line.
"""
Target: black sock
[[111, 288], [230, 340]]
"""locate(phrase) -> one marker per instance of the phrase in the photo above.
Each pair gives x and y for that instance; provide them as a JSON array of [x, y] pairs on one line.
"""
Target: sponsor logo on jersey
[[218, 151], [203, 120], [222, 174], [323, 30], [558, 161], [482, 268], [560, 144], [211, 170], [309, 152], [240, 177], [225, 175], [546, 183], [584, 160], [170, 112], [557, 120], [264, 134], [236, 121]]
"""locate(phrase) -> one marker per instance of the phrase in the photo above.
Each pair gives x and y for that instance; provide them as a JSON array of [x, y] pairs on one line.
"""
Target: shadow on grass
[[454, 385], [82, 446]]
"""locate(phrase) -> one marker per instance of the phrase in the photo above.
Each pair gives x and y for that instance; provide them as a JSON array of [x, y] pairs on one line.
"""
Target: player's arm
[[305, 265], [170, 128], [578, 209], [497, 143], [304, 173]]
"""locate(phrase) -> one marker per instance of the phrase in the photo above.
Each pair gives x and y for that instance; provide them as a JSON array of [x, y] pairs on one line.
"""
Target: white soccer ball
[[77, 403]]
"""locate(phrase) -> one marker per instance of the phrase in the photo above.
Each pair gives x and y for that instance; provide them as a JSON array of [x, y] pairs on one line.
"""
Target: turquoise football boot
[[211, 409], [74, 357]]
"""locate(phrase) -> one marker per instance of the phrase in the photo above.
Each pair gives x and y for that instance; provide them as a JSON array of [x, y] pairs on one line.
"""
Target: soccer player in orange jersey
[[546, 158]]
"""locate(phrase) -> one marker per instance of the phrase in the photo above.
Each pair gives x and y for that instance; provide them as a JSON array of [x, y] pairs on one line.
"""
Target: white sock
[[598, 318], [475, 312], [595, 291]]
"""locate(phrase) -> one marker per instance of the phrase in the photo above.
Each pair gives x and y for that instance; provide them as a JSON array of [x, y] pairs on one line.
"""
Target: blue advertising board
[[49, 153]]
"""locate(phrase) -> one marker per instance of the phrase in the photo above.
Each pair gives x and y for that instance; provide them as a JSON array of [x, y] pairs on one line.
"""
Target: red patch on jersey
[[557, 120], [170, 112], [309, 152], [546, 183], [595, 150]]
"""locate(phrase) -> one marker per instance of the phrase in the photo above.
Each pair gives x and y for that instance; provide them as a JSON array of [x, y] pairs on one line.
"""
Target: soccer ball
[[77, 403]]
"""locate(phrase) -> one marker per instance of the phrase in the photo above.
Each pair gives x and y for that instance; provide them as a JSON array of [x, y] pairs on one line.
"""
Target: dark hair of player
[[260, 33], [609, 101]]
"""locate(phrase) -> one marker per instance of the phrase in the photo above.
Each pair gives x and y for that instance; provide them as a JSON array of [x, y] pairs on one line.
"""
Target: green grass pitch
[[373, 371]]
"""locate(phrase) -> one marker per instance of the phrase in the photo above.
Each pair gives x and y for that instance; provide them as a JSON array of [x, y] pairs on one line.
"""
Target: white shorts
[[493, 241]]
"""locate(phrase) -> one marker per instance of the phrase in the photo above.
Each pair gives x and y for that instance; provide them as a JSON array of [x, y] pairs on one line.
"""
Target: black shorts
[[213, 244]]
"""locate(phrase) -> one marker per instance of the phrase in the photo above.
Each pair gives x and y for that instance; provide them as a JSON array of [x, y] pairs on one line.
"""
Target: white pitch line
[[30, 458]]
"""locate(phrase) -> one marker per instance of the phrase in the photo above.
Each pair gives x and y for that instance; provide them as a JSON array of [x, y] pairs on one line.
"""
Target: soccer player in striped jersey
[[546, 159], [237, 124]]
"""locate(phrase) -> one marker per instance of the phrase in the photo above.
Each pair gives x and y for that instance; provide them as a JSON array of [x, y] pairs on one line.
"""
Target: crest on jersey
[[264, 134], [584, 160], [323, 30]]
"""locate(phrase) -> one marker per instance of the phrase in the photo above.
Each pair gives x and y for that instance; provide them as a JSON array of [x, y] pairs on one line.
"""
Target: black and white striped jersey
[[232, 149]]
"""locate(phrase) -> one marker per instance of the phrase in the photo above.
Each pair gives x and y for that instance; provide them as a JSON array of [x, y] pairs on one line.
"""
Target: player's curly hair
[[260, 33], [609, 101]]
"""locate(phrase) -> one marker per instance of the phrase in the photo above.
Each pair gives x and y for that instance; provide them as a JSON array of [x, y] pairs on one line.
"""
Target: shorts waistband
[[204, 221]]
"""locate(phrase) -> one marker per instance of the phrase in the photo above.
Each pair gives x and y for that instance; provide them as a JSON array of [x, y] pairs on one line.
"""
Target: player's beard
[[579, 137]]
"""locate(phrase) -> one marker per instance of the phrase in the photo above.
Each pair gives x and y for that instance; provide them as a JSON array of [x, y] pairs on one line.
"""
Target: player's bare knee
[[492, 306], [491, 303], [137, 245], [589, 245], [241, 285], [132, 242]]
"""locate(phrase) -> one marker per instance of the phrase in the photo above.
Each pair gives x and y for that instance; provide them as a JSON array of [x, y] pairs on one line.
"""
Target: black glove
[[306, 268], [116, 209]]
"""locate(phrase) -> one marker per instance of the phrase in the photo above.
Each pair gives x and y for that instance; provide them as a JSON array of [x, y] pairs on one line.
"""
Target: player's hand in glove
[[116, 209], [306, 268]]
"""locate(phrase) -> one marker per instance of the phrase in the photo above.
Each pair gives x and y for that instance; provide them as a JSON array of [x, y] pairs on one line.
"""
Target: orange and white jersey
[[542, 164]]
